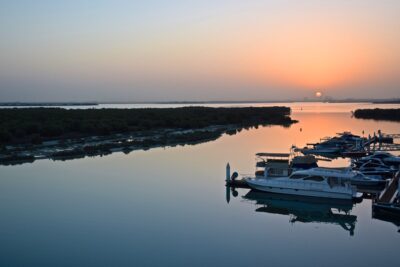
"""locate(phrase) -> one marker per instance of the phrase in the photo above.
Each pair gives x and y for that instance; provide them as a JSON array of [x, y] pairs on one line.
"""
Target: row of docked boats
[[300, 175], [346, 144]]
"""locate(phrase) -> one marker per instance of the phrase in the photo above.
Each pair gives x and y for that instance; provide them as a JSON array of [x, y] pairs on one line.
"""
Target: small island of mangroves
[[27, 134], [378, 114]]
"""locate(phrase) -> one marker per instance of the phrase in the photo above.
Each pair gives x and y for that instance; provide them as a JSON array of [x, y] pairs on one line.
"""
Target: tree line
[[378, 114], [34, 125]]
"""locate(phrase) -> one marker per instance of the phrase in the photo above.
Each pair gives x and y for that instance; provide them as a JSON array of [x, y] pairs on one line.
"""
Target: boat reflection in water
[[387, 218], [306, 210]]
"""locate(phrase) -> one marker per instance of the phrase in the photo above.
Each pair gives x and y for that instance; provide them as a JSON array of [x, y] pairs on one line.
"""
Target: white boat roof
[[264, 154]]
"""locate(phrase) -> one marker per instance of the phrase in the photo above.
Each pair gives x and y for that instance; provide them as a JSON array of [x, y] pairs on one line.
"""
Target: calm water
[[168, 207]]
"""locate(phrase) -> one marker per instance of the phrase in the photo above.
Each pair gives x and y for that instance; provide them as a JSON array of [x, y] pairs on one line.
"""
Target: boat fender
[[235, 193], [234, 176]]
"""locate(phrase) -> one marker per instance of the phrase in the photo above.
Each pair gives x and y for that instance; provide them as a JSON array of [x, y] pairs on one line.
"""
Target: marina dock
[[391, 191], [381, 142], [373, 172], [388, 201]]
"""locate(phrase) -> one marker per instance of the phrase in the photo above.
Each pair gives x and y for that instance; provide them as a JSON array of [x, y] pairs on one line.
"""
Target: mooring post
[[228, 172]]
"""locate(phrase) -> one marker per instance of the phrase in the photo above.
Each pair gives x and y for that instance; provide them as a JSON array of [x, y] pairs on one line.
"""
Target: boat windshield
[[298, 176], [371, 165]]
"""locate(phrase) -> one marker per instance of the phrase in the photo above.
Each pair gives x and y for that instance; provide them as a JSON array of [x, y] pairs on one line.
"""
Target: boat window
[[298, 176], [314, 178]]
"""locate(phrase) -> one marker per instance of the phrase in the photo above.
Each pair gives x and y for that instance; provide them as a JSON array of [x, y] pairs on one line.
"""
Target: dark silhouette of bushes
[[378, 114], [26, 125]]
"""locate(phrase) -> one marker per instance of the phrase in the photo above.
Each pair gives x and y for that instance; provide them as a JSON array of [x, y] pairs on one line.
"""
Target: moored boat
[[384, 157], [306, 183]]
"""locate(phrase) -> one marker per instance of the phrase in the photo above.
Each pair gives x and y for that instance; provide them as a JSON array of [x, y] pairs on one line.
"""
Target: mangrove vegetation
[[378, 114], [27, 134]]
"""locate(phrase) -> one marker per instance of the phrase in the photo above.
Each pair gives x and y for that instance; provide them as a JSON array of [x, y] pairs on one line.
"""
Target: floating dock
[[388, 201], [390, 191]]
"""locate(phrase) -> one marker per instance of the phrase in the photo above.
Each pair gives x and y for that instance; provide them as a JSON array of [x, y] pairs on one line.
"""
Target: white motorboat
[[358, 178], [385, 157], [335, 145], [376, 169], [368, 163], [313, 183]]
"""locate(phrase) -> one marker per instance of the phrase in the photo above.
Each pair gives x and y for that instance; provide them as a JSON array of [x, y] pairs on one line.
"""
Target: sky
[[179, 50]]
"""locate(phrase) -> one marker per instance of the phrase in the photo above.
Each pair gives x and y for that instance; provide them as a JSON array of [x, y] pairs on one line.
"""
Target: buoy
[[235, 193]]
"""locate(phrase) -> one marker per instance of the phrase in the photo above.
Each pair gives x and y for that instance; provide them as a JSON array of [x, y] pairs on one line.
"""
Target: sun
[[318, 94]]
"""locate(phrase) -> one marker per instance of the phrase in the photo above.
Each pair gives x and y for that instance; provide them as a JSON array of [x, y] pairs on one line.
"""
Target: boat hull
[[299, 192], [369, 182], [354, 154]]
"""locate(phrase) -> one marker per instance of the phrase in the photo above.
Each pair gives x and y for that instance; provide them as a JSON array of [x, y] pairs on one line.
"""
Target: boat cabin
[[282, 164], [275, 164]]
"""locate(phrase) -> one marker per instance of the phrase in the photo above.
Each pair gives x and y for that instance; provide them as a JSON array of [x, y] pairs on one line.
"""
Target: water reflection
[[306, 210], [177, 210], [387, 218]]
